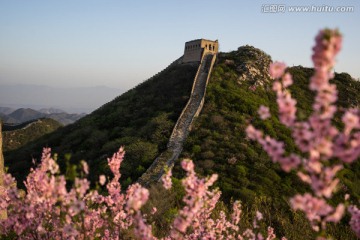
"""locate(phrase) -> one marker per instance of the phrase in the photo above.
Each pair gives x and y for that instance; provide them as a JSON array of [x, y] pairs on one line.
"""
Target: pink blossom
[[277, 69], [287, 80], [153, 210], [187, 165], [236, 212], [166, 179], [138, 197], [271, 234], [346, 197], [274, 148], [290, 162], [252, 88], [53, 167], [337, 214], [253, 133], [85, 167], [328, 44], [69, 231], [142, 230], [351, 122], [258, 217], [249, 234], [314, 208], [115, 162], [102, 180], [355, 219], [264, 112], [276, 87], [76, 207], [81, 185], [347, 148], [287, 109]]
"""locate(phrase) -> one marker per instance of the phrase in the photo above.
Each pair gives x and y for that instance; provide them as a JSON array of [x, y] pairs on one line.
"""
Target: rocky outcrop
[[251, 64], [183, 124]]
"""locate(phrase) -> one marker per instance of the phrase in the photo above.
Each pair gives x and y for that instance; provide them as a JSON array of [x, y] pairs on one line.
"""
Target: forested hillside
[[140, 119]]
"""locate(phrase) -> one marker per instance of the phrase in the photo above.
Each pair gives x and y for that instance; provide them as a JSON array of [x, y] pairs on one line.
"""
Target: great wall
[[192, 109], [203, 51]]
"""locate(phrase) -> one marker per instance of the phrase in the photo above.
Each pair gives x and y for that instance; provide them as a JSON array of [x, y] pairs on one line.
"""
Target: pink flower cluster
[[264, 112], [317, 138], [316, 209], [49, 211], [275, 149], [355, 219], [166, 179], [200, 201]]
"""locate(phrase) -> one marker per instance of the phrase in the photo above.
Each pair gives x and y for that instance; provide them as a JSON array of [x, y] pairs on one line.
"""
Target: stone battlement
[[196, 49]]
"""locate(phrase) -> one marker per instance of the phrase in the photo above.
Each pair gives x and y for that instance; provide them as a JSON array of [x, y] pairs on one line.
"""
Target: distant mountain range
[[21, 115], [6, 110], [71, 99]]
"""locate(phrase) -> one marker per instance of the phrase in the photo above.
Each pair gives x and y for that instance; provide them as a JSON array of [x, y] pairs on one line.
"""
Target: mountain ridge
[[23, 115], [21, 134]]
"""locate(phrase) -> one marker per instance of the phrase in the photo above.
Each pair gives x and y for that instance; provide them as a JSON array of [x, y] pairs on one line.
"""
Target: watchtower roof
[[195, 49], [201, 39]]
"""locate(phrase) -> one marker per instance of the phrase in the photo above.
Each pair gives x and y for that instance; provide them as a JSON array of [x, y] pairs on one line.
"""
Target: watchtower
[[195, 49]]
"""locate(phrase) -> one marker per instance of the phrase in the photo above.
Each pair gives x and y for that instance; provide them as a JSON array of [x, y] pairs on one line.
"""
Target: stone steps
[[183, 125]]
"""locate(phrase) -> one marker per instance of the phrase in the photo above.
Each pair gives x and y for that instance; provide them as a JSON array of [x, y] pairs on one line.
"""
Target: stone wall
[[196, 49], [183, 124]]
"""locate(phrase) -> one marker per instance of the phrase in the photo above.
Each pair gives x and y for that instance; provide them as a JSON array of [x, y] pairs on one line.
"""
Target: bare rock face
[[229, 62], [255, 65], [251, 64]]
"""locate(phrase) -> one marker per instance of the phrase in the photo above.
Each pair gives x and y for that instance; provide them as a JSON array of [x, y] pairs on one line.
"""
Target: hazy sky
[[72, 43]]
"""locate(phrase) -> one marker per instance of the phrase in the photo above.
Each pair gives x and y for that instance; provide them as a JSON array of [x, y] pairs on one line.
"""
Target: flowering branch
[[317, 138]]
